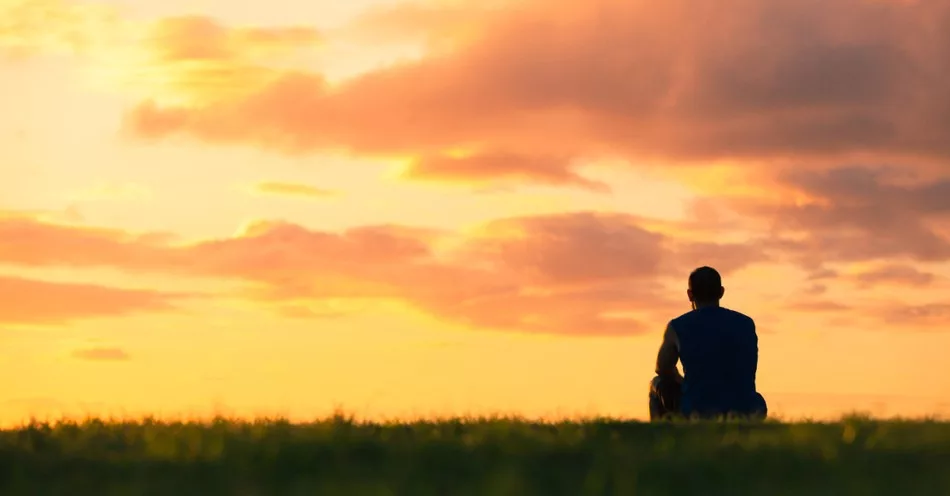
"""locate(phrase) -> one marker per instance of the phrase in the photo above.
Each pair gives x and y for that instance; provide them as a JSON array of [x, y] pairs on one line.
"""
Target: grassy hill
[[476, 457]]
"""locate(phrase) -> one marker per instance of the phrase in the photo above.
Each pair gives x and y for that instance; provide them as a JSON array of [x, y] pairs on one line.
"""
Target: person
[[718, 348]]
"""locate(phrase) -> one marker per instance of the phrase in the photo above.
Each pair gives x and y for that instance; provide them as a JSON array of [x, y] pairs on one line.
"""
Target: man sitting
[[719, 350]]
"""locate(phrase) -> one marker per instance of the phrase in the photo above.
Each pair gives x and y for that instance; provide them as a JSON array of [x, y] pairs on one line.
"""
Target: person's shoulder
[[681, 317], [740, 316]]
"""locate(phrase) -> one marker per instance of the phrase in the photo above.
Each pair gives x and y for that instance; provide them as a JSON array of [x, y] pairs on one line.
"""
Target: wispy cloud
[[568, 273], [293, 189], [895, 274], [102, 354], [36, 302], [814, 305]]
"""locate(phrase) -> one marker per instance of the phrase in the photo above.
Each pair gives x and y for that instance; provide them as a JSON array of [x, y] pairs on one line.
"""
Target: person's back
[[719, 351]]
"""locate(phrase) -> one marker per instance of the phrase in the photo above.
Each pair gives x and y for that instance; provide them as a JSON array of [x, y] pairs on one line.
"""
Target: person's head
[[705, 287]]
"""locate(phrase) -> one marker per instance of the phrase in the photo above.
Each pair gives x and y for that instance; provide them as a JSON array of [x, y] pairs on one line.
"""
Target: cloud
[[725, 257], [296, 311], [202, 39], [741, 80], [928, 315], [87, 27], [556, 274], [440, 26], [570, 248], [102, 354], [203, 60], [581, 273], [857, 213], [48, 303], [813, 305], [29, 242], [180, 60], [31, 27], [892, 189], [486, 167], [292, 189], [894, 274], [822, 274]]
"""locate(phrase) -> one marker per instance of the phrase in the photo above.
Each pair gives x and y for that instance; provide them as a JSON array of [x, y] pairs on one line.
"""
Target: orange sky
[[448, 207]]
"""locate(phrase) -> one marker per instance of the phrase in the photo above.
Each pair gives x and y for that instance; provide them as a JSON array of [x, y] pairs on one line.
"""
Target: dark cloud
[[735, 79], [856, 214]]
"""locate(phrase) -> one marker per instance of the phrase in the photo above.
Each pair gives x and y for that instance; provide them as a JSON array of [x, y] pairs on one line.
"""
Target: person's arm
[[668, 356]]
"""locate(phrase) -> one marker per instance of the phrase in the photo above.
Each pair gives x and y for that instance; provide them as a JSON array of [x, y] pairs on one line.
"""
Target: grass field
[[476, 457]]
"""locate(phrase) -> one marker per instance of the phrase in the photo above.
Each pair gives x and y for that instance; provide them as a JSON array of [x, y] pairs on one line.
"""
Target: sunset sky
[[434, 208]]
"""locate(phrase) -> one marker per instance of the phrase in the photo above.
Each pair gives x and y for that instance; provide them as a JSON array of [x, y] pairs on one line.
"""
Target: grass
[[857, 456]]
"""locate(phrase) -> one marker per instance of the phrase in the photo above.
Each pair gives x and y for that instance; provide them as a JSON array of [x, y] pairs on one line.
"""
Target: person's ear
[[722, 292], [689, 294]]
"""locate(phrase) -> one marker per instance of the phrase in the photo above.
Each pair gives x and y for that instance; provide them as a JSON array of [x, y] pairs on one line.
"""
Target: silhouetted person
[[719, 350]]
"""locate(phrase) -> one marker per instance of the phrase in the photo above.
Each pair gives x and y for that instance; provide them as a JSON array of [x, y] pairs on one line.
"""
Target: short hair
[[705, 283]]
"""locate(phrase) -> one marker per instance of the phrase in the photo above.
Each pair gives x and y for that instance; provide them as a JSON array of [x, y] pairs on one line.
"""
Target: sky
[[466, 208]]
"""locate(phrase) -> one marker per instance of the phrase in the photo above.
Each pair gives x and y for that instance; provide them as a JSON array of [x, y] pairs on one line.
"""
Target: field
[[476, 457]]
